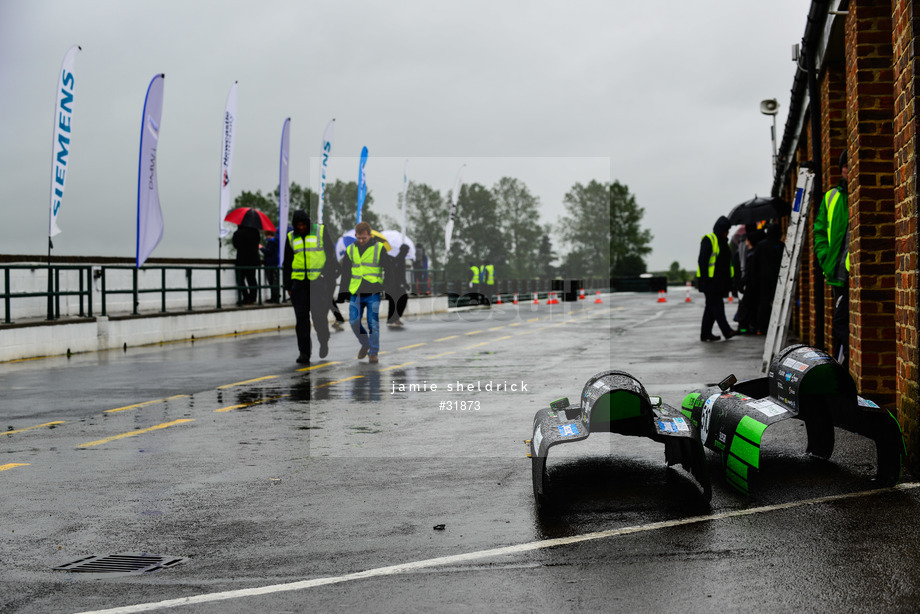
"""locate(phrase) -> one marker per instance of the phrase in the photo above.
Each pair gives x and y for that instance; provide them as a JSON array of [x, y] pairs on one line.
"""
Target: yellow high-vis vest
[[309, 255], [364, 267]]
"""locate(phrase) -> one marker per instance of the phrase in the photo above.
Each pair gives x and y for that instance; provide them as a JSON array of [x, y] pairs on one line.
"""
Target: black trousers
[[840, 324], [396, 306], [714, 313], [310, 299], [246, 280]]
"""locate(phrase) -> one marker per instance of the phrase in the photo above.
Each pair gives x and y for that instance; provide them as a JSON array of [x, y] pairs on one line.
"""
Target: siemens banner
[[60, 146]]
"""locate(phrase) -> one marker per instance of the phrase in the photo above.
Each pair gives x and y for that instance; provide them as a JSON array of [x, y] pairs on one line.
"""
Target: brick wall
[[905, 29], [870, 144]]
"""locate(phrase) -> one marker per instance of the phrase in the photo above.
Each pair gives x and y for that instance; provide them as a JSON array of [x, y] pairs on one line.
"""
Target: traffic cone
[[536, 298], [730, 299], [581, 295], [515, 299], [687, 300], [499, 301], [661, 298], [598, 300], [552, 299]]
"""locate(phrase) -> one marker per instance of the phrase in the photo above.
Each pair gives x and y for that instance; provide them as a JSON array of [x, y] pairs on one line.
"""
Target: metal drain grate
[[121, 563]]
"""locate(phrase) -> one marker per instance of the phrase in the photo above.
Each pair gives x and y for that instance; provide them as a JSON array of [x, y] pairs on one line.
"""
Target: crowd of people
[[750, 263]]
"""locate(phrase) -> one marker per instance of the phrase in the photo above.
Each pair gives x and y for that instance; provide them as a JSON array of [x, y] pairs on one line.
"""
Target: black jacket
[[328, 268], [721, 280]]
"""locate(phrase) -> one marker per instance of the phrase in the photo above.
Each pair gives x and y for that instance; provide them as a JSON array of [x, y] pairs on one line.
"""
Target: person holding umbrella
[[246, 242], [309, 261], [715, 272]]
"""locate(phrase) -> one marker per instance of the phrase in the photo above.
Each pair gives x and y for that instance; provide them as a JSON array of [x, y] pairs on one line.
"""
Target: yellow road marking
[[497, 328], [325, 364], [339, 381], [249, 381], [476, 345], [144, 404], [29, 428], [515, 324], [505, 337], [398, 366], [137, 432], [524, 332], [447, 338], [474, 332], [232, 407], [409, 347], [533, 319], [439, 355], [12, 466]]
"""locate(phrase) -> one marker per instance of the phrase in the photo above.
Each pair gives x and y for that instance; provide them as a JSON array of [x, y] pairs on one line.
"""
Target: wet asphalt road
[[266, 474]]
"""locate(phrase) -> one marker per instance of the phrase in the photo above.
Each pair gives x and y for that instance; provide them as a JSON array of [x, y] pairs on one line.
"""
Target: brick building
[[856, 89]]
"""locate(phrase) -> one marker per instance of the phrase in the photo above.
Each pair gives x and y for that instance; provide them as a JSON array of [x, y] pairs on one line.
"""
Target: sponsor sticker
[[767, 407], [865, 402], [537, 439], [567, 430]]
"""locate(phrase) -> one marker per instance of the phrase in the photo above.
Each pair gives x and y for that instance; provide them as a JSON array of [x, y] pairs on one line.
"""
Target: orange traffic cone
[[515, 299], [687, 300], [552, 299], [661, 298], [730, 299], [536, 298], [499, 301], [581, 295], [598, 300]]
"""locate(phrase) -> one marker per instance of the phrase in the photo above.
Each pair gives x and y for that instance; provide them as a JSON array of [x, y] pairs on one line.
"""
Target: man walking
[[833, 253], [309, 257], [362, 274], [715, 271]]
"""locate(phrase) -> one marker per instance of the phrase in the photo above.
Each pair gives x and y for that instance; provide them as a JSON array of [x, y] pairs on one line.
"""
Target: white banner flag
[[284, 189], [405, 197], [226, 158], [149, 215], [324, 166], [60, 145], [453, 212]]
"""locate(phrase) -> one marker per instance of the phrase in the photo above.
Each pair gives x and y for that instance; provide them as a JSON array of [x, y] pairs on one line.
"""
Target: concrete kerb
[[60, 338]]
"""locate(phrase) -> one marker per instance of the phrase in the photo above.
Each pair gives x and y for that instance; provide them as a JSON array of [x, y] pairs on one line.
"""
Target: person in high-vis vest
[[487, 278], [832, 251], [309, 265], [362, 281], [475, 280], [714, 273]]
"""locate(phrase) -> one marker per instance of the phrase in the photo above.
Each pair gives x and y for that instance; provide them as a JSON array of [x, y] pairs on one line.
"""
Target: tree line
[[599, 235]]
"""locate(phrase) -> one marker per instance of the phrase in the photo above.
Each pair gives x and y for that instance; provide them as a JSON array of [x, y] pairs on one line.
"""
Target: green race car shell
[[615, 402], [804, 383]]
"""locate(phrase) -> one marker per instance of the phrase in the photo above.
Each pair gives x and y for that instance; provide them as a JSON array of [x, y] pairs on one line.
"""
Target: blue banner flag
[[149, 215], [362, 184]]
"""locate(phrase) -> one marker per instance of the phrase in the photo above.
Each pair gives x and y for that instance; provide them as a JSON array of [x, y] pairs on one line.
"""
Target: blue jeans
[[356, 307]]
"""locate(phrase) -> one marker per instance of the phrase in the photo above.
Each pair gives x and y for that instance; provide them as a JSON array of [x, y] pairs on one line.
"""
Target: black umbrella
[[758, 209]]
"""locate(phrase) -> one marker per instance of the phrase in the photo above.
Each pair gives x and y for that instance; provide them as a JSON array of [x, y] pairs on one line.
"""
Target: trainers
[[323, 350], [362, 352], [710, 338], [372, 358], [337, 325], [303, 359]]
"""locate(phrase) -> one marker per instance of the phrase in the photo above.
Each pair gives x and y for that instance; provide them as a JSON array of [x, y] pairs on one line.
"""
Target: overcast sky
[[661, 96]]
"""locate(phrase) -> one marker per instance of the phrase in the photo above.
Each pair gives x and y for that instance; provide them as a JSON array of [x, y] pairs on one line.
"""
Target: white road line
[[483, 554]]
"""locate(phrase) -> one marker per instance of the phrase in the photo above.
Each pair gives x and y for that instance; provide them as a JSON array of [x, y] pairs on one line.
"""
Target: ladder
[[785, 283]]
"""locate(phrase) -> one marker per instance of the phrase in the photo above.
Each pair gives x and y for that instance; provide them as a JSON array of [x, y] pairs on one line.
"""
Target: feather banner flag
[[226, 158], [60, 141], [149, 215], [324, 167], [453, 212], [284, 186], [362, 182], [405, 198]]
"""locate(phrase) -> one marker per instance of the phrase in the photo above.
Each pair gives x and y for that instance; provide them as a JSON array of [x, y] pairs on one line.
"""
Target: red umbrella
[[247, 216]]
